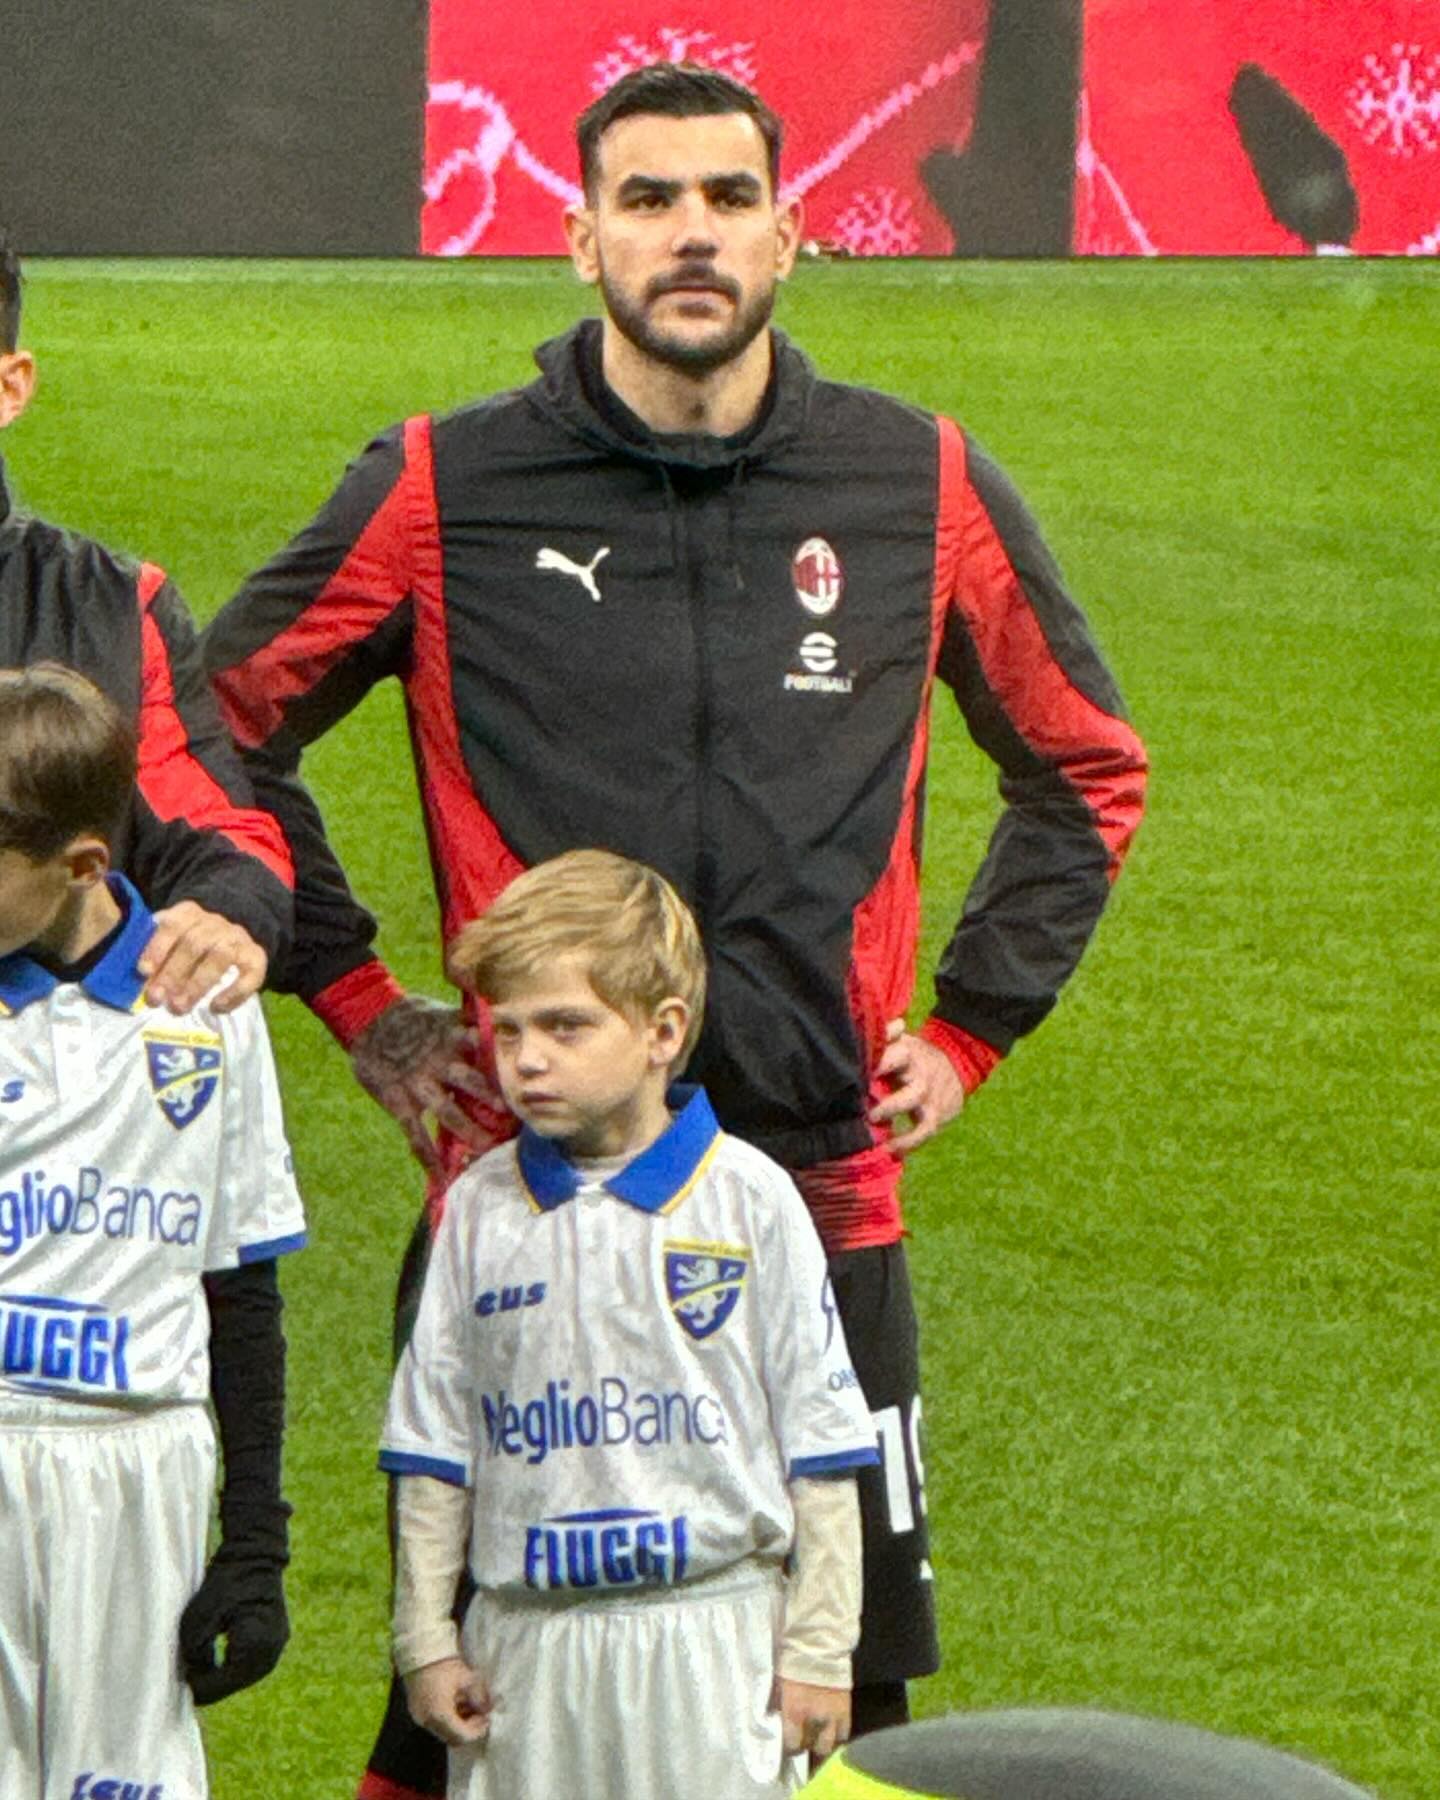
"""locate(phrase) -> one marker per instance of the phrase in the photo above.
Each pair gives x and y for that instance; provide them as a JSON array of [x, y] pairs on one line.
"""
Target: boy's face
[[32, 898], [573, 1068]]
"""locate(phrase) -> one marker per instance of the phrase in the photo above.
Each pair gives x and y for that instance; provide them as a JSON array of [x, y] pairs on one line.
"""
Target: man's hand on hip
[[412, 1061], [925, 1087], [191, 950]]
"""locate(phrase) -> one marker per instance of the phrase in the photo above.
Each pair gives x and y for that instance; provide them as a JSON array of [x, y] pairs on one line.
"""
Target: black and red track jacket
[[194, 832], [714, 655]]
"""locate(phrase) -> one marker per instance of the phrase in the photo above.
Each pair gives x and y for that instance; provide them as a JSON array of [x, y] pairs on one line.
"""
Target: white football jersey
[[137, 1150], [628, 1373]]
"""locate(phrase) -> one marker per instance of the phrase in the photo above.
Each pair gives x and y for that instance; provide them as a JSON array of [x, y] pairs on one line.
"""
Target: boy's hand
[[242, 1599], [813, 1718], [191, 950], [449, 1699]]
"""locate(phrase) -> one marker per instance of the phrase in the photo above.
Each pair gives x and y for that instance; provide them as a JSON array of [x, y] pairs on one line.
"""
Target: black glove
[[241, 1599]]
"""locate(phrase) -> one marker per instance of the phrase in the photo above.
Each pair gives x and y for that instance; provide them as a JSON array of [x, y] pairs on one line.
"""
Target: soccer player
[[686, 599], [214, 865], [145, 1193], [627, 1392]]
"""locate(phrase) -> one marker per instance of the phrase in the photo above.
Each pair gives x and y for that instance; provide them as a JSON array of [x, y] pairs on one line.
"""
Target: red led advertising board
[[1194, 119]]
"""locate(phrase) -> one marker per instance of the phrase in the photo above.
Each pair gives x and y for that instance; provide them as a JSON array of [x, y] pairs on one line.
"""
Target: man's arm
[[212, 865], [298, 647], [1038, 699]]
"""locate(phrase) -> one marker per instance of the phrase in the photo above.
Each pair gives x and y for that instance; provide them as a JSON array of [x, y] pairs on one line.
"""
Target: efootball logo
[[703, 1282], [184, 1069], [819, 580]]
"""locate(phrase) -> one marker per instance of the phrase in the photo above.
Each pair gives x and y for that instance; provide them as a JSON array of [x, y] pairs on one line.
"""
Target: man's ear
[[88, 860], [789, 223], [17, 384], [669, 1024], [580, 234]]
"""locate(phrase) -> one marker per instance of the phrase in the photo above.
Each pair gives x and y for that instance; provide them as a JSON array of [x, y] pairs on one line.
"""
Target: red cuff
[[973, 1058], [348, 1005]]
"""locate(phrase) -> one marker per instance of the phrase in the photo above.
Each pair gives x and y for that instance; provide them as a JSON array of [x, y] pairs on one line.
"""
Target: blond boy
[[628, 1404]]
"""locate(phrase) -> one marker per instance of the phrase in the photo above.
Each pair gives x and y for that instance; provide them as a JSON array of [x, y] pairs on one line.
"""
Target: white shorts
[[656, 1696], [103, 1516]]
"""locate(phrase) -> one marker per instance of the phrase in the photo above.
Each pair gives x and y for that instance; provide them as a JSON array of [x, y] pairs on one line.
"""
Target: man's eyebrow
[[634, 185]]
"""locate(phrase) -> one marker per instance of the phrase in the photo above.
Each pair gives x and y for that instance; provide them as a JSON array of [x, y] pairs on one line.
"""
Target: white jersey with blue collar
[[628, 1372], [138, 1150]]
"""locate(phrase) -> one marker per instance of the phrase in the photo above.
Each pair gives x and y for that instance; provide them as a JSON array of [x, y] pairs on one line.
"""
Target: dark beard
[[632, 321]]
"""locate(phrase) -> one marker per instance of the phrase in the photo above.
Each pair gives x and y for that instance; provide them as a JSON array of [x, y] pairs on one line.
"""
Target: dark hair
[[67, 761], [9, 295], [674, 91]]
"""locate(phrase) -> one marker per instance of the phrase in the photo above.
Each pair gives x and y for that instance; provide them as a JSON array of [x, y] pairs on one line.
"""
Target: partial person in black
[[1057, 1754], [213, 867]]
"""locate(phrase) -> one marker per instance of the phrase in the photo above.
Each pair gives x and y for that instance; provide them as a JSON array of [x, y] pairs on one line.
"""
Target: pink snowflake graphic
[[878, 222], [1396, 102], [676, 45]]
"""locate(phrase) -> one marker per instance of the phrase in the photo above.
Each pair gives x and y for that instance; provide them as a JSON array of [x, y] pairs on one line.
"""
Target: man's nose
[[695, 233]]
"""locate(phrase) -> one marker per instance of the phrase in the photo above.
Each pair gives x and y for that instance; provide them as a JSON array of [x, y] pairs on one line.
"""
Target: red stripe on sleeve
[[472, 861], [1099, 755], [173, 780], [352, 605], [886, 930]]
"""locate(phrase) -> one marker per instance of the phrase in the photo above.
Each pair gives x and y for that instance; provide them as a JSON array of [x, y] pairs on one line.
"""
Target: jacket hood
[[572, 389]]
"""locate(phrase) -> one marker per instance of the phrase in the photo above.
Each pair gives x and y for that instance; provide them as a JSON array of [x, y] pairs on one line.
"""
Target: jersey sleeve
[[197, 832], [427, 1423], [821, 1421], [1038, 699], [293, 652], [258, 1214]]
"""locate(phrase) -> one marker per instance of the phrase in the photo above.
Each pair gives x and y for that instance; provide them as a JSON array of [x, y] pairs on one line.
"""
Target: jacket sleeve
[[197, 833], [1038, 699], [297, 648]]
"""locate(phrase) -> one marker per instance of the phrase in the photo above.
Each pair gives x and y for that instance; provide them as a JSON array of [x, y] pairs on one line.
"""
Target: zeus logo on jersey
[[11, 1091], [65, 1341], [703, 1283], [93, 1202], [616, 1547], [558, 1420], [508, 1299], [184, 1070], [112, 1787]]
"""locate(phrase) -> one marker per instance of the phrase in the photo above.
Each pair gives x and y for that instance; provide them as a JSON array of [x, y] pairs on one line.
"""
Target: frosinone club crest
[[703, 1282], [184, 1069]]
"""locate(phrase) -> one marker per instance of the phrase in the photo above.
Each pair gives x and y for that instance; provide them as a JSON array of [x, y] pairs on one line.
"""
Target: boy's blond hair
[[637, 936]]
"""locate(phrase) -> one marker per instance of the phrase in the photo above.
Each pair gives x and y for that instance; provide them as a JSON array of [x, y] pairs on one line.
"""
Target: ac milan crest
[[819, 579]]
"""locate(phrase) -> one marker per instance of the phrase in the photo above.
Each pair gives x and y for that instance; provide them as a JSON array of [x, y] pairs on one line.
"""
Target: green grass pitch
[[1177, 1264]]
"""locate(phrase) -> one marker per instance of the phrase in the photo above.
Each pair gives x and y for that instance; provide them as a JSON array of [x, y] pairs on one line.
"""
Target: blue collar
[[655, 1181], [114, 980]]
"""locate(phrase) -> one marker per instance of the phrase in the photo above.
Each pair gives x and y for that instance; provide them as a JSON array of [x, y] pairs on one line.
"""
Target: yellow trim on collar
[[695, 1174]]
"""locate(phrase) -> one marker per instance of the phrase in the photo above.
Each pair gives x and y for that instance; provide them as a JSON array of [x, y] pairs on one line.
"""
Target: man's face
[[685, 237]]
